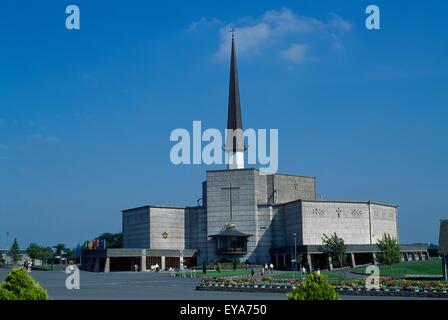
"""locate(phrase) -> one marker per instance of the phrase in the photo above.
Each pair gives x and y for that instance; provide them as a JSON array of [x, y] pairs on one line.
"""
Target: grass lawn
[[223, 273], [56, 267], [430, 267], [331, 275]]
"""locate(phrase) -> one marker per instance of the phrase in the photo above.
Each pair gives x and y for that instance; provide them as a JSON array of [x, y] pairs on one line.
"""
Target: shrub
[[218, 267], [6, 295], [204, 268], [18, 285], [316, 287], [234, 265]]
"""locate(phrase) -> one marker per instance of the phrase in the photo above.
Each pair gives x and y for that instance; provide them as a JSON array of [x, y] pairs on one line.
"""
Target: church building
[[250, 217]]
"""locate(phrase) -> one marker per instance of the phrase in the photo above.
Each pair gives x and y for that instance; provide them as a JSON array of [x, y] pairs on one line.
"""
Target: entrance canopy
[[230, 241]]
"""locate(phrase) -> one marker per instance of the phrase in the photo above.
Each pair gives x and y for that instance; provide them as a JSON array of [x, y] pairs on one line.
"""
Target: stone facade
[[355, 222], [154, 227], [269, 208]]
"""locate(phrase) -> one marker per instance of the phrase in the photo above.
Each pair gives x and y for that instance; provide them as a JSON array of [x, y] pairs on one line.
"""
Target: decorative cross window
[[339, 211]]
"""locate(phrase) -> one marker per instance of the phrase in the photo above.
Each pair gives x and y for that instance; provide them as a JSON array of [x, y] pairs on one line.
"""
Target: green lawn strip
[[431, 267], [223, 273], [330, 276], [55, 267]]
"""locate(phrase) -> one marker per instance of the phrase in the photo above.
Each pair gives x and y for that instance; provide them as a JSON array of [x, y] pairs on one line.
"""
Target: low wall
[[372, 293]]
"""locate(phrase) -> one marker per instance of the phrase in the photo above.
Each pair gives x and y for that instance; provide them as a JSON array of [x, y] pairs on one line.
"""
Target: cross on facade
[[230, 188]]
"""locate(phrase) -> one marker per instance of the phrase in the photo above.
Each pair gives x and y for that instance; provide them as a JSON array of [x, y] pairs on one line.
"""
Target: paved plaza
[[144, 286], [134, 286]]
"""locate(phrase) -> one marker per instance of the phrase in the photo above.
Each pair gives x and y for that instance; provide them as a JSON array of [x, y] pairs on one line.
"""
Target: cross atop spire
[[232, 31]]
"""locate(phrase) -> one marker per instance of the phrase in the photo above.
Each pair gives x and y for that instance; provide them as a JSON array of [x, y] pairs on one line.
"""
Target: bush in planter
[[19, 285], [316, 287], [218, 267]]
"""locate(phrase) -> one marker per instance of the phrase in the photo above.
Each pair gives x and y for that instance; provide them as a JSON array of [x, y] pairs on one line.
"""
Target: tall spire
[[234, 119]]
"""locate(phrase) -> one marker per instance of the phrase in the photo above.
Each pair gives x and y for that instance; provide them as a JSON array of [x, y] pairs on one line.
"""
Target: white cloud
[[282, 28], [339, 23], [204, 23], [295, 53], [44, 138]]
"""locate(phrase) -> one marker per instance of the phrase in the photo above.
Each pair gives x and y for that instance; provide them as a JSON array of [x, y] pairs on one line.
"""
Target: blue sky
[[85, 116]]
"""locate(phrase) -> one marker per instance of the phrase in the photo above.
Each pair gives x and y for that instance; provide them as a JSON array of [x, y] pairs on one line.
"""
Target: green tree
[[70, 253], [15, 252], [47, 254], [60, 249], [34, 251], [204, 268], [113, 240], [433, 250], [19, 285], [2, 260], [389, 251], [336, 250], [316, 287]]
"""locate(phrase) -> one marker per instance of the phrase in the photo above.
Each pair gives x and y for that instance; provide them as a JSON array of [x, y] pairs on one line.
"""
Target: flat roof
[[338, 201], [256, 169], [154, 206], [351, 248]]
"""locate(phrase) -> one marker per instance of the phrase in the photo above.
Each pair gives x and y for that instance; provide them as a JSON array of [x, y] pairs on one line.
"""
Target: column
[[374, 258], [309, 261], [330, 264], [445, 267], [163, 263], [352, 260], [107, 265], [143, 264], [96, 266]]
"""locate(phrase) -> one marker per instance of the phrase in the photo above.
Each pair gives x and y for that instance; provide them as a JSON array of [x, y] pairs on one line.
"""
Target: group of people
[[155, 268], [268, 269], [265, 270], [183, 272], [28, 265]]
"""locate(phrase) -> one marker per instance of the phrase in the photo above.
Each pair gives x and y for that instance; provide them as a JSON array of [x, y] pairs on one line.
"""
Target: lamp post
[[7, 246], [295, 254]]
